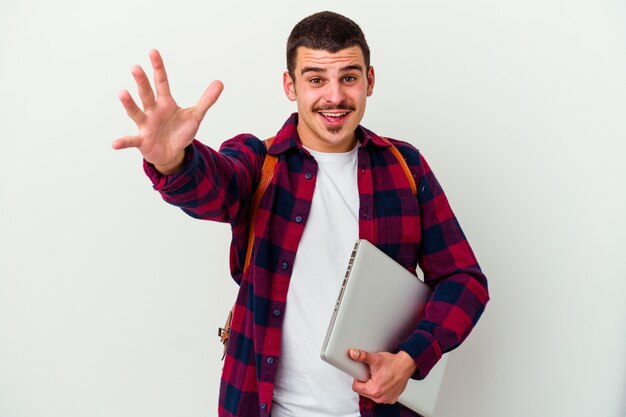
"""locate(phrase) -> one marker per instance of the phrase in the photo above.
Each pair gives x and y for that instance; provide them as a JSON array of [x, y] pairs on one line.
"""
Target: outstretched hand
[[389, 374], [165, 129]]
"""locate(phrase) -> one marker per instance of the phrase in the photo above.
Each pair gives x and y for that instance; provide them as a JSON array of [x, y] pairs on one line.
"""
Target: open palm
[[165, 129]]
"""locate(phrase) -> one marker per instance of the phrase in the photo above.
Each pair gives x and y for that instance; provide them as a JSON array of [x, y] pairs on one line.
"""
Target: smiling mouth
[[333, 114], [334, 118]]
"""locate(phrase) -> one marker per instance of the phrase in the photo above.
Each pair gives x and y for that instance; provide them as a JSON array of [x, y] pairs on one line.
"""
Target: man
[[334, 182]]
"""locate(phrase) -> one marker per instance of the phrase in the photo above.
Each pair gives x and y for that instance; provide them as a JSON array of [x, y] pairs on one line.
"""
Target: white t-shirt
[[306, 386]]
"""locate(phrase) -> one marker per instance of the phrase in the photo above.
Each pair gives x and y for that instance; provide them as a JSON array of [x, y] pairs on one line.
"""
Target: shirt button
[[270, 360], [284, 265], [263, 406], [308, 175], [277, 312], [299, 219]]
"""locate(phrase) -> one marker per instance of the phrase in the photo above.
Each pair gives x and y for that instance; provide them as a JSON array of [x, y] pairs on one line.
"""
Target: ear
[[289, 86], [370, 81]]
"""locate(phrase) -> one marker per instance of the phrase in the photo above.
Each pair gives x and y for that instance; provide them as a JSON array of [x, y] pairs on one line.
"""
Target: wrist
[[409, 366], [172, 167]]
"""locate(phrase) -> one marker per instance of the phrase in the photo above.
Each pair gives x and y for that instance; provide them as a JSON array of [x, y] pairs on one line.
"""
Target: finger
[[364, 388], [143, 86], [133, 111], [208, 99], [359, 386], [126, 142], [371, 391], [359, 355], [160, 76]]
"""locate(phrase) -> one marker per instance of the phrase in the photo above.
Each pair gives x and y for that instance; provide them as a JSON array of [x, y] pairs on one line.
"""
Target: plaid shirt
[[220, 185]]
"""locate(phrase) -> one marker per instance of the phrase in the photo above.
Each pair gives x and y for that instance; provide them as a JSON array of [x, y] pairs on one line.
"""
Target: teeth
[[334, 114]]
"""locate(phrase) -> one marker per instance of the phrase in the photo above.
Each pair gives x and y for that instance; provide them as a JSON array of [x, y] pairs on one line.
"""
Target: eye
[[349, 79], [315, 80]]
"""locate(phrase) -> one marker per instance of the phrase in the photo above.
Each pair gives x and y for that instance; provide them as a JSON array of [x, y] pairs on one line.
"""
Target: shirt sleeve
[[460, 291], [214, 185]]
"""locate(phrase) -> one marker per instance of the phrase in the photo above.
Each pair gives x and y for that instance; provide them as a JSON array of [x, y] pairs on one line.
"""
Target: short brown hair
[[325, 31]]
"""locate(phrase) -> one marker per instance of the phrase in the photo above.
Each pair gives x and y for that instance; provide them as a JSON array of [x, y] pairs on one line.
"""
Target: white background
[[110, 298]]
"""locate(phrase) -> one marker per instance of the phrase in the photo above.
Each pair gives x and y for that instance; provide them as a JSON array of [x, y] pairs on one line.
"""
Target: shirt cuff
[[424, 350], [165, 183]]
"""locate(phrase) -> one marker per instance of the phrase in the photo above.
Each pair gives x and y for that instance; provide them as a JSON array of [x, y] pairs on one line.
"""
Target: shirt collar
[[287, 137]]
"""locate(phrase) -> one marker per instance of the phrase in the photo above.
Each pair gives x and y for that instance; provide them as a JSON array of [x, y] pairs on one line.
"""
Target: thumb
[[210, 96], [359, 355]]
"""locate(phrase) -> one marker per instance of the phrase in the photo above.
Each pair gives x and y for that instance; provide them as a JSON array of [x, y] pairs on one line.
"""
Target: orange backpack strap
[[404, 165], [267, 172]]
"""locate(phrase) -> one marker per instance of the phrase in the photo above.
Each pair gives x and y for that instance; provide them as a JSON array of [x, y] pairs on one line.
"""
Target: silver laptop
[[378, 307]]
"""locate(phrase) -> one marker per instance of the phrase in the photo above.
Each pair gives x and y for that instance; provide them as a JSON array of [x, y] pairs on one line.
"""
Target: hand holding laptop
[[374, 314], [389, 374]]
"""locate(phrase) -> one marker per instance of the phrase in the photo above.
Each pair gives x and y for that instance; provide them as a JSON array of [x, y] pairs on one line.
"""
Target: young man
[[334, 182]]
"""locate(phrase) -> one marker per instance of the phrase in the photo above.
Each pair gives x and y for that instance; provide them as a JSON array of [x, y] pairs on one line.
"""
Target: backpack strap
[[404, 165], [267, 172]]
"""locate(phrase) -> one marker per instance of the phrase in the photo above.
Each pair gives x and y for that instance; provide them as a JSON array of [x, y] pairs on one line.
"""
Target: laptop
[[378, 307]]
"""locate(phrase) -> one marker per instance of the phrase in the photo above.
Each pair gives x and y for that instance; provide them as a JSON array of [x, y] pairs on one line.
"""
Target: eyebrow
[[355, 67]]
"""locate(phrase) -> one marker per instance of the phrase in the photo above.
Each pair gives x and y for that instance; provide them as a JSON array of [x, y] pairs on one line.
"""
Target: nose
[[334, 93]]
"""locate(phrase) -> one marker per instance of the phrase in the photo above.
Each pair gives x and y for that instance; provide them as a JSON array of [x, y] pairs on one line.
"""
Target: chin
[[334, 130]]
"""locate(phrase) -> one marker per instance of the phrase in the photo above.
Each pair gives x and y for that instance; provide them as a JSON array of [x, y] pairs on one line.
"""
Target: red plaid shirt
[[220, 185]]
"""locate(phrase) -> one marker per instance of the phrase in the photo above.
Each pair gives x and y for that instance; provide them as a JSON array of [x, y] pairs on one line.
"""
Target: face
[[330, 90]]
